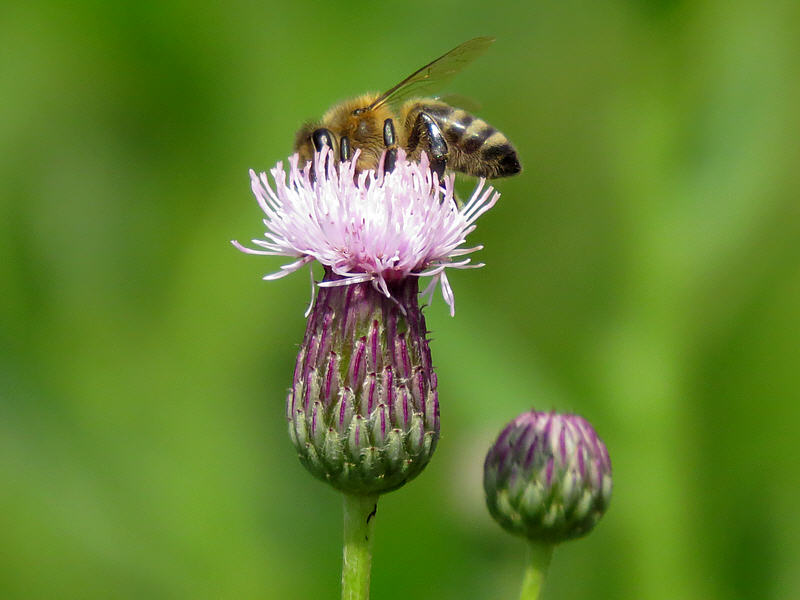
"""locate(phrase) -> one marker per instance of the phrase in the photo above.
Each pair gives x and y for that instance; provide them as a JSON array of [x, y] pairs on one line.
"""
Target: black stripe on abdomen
[[503, 156], [473, 141], [496, 152]]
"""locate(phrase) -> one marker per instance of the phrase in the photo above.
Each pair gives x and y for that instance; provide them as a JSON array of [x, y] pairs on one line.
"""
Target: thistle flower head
[[378, 227], [548, 477]]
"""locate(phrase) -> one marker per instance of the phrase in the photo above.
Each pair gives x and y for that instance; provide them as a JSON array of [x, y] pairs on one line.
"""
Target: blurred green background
[[644, 271]]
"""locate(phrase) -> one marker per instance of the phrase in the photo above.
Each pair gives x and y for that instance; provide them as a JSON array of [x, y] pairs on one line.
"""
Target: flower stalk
[[539, 556], [359, 521]]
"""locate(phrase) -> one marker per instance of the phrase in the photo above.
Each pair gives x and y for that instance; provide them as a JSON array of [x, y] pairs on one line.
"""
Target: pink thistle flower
[[373, 227]]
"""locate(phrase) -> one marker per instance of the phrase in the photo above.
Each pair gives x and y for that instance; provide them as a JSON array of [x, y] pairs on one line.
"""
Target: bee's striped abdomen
[[475, 147]]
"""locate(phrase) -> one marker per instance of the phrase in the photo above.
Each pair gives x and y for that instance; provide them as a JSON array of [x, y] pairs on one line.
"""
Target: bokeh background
[[644, 271]]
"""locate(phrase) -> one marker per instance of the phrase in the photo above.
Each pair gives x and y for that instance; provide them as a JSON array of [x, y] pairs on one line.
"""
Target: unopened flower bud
[[548, 477], [363, 410]]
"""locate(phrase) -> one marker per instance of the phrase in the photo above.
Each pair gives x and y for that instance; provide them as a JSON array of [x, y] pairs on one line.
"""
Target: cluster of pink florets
[[374, 226]]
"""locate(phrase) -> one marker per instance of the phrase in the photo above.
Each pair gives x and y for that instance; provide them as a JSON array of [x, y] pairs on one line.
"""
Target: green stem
[[359, 519], [539, 556]]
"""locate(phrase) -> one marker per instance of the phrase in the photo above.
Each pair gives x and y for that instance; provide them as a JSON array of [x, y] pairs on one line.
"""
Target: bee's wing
[[432, 76], [459, 101]]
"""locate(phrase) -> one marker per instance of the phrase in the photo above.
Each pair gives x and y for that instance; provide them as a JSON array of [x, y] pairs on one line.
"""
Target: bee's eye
[[358, 111]]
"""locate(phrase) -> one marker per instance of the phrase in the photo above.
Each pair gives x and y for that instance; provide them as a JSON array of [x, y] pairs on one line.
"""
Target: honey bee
[[451, 137]]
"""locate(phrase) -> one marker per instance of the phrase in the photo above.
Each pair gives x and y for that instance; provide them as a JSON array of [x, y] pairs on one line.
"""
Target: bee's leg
[[389, 140], [322, 137], [437, 146], [345, 151]]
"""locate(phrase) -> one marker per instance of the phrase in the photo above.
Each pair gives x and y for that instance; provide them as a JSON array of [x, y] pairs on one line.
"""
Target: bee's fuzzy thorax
[[365, 129]]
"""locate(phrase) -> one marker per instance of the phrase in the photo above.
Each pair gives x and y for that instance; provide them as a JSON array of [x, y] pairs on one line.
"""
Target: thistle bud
[[363, 410], [548, 477]]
